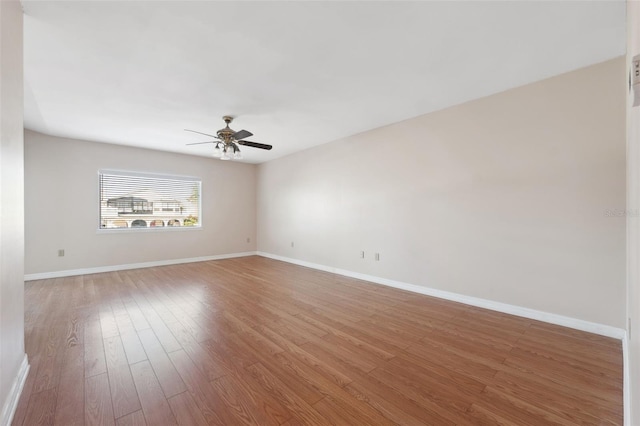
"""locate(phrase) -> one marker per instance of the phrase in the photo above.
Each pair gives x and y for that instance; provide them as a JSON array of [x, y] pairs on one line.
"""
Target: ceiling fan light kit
[[229, 152], [227, 141]]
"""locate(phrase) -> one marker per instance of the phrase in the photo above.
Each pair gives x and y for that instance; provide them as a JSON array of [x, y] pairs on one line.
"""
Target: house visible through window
[[141, 200]]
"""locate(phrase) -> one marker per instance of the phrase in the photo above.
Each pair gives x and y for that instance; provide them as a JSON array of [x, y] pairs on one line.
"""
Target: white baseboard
[[591, 327], [99, 269], [11, 403]]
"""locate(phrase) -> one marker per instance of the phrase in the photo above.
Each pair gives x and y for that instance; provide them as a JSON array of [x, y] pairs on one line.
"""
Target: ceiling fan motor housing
[[226, 134]]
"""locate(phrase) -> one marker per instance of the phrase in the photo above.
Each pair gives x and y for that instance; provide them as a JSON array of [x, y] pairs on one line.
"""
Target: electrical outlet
[[61, 253], [377, 256]]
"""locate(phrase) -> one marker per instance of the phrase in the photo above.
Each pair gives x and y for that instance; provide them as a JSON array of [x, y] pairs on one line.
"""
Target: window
[[142, 200]]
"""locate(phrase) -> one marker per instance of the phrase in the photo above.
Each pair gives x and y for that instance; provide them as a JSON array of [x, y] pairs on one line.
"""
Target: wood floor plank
[[567, 405], [552, 332], [425, 352], [235, 366], [136, 316], [331, 332], [154, 404], [296, 405], [560, 389], [389, 341], [438, 398], [408, 329], [338, 358], [483, 416], [246, 408], [167, 339], [574, 355], [555, 371], [51, 359], [357, 348], [168, 377], [393, 406], [97, 401], [318, 364], [123, 321], [70, 402], [42, 408], [257, 341], [429, 372], [211, 406], [75, 328], [332, 392], [108, 324], [134, 419], [94, 358], [517, 410], [132, 347], [335, 415], [186, 411], [207, 366], [571, 364], [305, 390], [123, 391]]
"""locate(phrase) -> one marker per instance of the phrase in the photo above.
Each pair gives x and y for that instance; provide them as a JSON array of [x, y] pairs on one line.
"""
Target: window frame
[[148, 228]]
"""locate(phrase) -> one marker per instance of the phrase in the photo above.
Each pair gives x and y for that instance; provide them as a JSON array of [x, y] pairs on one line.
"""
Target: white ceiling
[[296, 74]]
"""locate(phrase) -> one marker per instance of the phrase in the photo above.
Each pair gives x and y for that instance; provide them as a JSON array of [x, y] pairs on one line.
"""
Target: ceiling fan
[[227, 141]]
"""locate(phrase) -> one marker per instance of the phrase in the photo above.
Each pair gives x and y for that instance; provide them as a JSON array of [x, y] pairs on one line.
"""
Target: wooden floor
[[257, 341]]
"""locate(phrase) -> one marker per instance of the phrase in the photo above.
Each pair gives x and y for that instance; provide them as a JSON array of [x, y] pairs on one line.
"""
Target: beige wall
[[503, 198], [62, 203], [11, 206], [633, 220]]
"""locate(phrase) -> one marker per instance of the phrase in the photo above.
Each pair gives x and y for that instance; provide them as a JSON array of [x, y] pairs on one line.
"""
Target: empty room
[[319, 212]]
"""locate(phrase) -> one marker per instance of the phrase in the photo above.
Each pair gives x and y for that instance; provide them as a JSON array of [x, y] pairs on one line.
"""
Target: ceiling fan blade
[[206, 134], [242, 134], [255, 145], [200, 143]]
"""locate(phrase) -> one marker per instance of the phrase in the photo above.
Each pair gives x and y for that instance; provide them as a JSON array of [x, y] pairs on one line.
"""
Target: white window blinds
[[142, 200]]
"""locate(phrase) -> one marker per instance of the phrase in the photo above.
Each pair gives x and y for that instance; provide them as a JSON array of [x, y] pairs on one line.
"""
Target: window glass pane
[[139, 200]]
